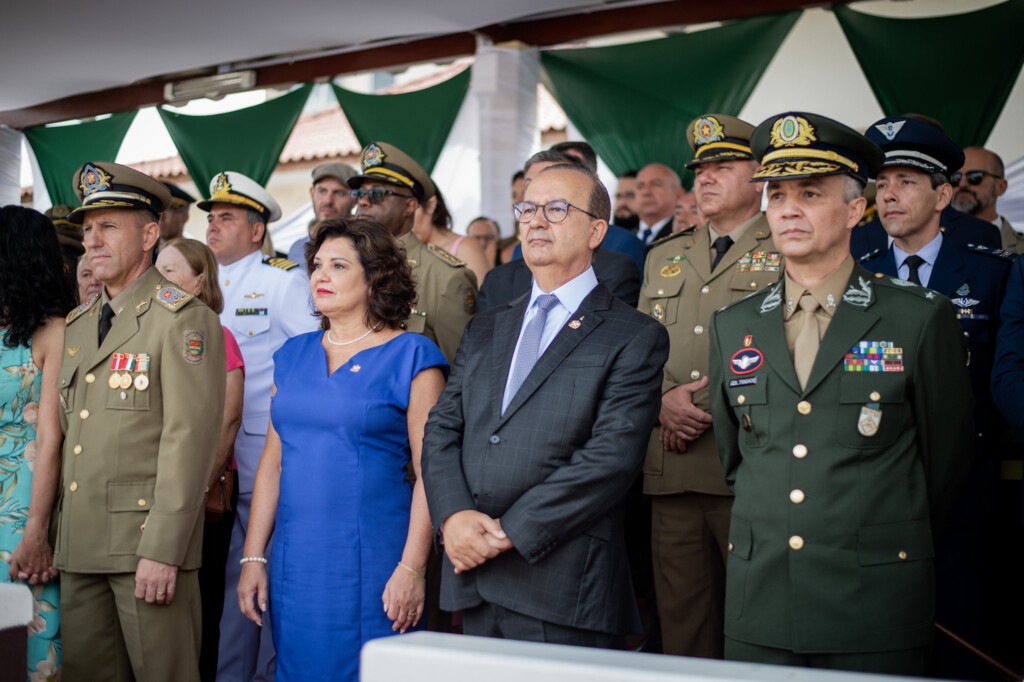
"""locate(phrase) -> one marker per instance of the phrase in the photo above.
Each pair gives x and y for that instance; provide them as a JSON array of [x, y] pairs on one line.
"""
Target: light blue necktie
[[529, 347]]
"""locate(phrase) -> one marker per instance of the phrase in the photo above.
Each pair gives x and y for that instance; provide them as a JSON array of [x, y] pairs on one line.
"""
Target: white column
[[10, 166], [505, 83]]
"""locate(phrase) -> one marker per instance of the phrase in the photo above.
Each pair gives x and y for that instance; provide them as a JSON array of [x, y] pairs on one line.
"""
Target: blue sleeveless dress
[[343, 509], [20, 381]]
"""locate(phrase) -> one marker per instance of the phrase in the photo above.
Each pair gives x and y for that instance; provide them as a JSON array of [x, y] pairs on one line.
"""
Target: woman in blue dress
[[351, 535], [35, 295]]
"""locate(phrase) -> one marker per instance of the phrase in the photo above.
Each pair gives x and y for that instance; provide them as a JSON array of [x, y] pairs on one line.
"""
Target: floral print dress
[[20, 380]]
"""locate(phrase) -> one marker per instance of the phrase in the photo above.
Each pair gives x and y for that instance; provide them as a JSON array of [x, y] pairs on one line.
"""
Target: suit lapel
[[588, 315], [852, 320], [948, 272], [698, 249], [126, 323], [507, 326], [887, 266], [769, 337]]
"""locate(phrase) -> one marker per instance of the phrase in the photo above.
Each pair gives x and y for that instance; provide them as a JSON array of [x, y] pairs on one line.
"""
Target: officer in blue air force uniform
[[266, 302], [830, 397], [913, 191]]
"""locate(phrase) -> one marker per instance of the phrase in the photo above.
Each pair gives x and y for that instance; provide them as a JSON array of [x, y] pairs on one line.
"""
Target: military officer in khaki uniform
[[389, 189], [687, 277], [843, 416], [142, 387]]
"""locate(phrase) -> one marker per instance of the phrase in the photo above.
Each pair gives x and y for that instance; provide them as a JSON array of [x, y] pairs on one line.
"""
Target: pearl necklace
[[346, 343]]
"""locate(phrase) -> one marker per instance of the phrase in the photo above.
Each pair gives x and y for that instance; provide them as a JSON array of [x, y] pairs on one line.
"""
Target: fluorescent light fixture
[[211, 87]]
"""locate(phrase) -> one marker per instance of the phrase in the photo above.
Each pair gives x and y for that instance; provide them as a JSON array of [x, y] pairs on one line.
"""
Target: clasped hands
[[471, 538], [681, 421]]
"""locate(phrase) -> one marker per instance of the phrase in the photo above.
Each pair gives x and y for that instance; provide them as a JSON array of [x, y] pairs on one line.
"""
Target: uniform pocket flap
[[894, 542], [748, 390], [250, 325], [740, 539], [663, 287], [135, 496], [871, 387]]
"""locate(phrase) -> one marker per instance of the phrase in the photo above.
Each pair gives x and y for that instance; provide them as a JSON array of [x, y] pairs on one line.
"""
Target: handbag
[[218, 499]]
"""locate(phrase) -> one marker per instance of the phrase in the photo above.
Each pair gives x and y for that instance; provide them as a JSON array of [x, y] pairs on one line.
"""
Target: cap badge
[[93, 180], [373, 156], [890, 129], [223, 184], [707, 130], [792, 131]]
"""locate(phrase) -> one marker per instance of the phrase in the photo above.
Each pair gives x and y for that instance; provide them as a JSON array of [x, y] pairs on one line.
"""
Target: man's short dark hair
[[551, 156], [518, 175], [599, 203], [631, 173], [585, 152]]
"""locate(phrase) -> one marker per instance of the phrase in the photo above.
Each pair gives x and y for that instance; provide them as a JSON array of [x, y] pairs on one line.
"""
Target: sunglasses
[[973, 177], [376, 196], [554, 211]]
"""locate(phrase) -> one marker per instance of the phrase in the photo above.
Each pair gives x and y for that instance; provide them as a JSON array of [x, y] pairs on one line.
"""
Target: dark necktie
[[529, 346], [914, 262], [722, 245], [645, 236], [106, 321]]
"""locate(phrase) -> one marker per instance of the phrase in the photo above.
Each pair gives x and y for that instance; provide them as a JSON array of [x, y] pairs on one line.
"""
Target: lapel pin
[[747, 340], [73, 351], [575, 324]]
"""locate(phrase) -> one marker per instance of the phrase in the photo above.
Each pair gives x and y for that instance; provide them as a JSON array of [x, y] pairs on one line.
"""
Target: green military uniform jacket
[[682, 292], [137, 459], [839, 486], [445, 291]]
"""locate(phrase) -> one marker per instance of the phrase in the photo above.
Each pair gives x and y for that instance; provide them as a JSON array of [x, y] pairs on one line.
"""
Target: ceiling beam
[[538, 32]]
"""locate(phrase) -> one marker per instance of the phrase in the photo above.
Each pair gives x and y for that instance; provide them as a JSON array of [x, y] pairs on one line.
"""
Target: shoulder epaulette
[[282, 263], [448, 258], [171, 297], [77, 312], [888, 281], [675, 235], [990, 251], [869, 255]]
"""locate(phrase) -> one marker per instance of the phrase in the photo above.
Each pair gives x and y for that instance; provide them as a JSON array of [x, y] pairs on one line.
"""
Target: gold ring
[[160, 594], [412, 612]]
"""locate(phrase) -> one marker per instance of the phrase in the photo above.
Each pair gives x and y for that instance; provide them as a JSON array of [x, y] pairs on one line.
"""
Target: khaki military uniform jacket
[[1013, 241], [680, 291], [136, 459], [842, 485], [445, 291]]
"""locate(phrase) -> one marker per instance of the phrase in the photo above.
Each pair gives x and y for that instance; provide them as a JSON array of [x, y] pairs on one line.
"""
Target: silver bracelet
[[247, 559]]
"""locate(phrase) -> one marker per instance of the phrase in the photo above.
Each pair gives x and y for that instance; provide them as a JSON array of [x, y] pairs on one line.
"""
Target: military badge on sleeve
[[194, 349], [746, 361]]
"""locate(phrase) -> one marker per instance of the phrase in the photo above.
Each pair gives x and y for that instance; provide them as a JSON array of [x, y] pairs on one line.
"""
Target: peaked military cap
[[387, 163], [800, 145], [102, 184], [231, 187], [68, 234], [179, 197], [717, 137], [339, 171], [914, 143]]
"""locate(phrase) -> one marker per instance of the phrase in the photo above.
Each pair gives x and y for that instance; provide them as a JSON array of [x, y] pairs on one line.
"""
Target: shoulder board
[[989, 251], [889, 282], [675, 235], [77, 312], [445, 256], [282, 263], [869, 255], [171, 297]]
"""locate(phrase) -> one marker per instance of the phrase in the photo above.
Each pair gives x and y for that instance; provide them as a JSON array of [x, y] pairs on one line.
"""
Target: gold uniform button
[[77, 450], [695, 374], [705, 289], [250, 333], [903, 556], [799, 451], [89, 378], [803, 407], [796, 542], [796, 496], [741, 399], [63, 382], [730, 546], [879, 275], [698, 329], [73, 487], [875, 396], [661, 292], [142, 502], [84, 414]]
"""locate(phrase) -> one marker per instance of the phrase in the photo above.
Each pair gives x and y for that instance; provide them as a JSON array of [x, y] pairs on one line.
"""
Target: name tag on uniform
[[258, 312]]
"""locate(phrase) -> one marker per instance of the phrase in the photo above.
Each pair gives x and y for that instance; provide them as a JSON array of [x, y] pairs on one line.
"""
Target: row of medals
[[124, 380]]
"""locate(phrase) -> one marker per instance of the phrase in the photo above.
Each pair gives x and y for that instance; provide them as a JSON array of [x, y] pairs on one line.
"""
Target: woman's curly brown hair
[[391, 292]]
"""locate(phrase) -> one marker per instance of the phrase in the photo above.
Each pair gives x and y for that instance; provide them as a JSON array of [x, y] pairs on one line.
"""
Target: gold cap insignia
[[372, 156], [791, 131], [222, 185], [93, 179], [707, 129]]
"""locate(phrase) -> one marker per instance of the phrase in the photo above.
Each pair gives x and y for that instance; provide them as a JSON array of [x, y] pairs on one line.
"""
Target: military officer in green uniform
[[142, 390], [687, 277], [389, 189], [842, 412]]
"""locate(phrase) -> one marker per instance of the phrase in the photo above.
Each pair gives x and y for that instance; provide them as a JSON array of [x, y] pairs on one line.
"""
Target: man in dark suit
[[615, 270], [658, 190], [842, 412], [539, 434]]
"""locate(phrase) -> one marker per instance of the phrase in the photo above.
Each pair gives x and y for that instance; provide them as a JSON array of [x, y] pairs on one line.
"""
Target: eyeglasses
[[376, 195], [973, 177], [554, 211]]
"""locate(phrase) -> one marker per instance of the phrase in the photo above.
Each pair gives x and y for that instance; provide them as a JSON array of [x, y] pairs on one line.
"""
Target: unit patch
[[746, 361], [194, 349]]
